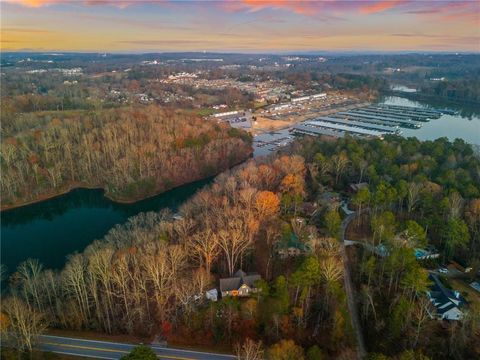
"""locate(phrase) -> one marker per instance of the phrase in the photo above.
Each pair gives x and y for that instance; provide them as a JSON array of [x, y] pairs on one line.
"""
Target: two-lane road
[[113, 351]]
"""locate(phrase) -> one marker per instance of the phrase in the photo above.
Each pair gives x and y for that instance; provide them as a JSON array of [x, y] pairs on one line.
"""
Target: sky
[[256, 26]]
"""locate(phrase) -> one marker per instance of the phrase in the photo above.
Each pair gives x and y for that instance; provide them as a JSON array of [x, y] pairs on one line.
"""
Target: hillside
[[132, 153]]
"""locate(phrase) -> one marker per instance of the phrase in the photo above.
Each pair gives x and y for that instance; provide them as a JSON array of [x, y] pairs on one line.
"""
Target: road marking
[[200, 352], [111, 350], [153, 346], [85, 347], [83, 355], [88, 340]]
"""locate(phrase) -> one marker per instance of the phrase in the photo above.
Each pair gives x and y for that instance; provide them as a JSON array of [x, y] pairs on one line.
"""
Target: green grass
[[205, 111]]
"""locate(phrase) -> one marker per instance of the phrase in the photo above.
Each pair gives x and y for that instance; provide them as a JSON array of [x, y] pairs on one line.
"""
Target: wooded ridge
[[132, 153]]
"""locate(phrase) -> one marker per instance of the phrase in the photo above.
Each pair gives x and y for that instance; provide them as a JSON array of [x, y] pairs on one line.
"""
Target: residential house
[[353, 188], [448, 303], [329, 200], [241, 284], [291, 248]]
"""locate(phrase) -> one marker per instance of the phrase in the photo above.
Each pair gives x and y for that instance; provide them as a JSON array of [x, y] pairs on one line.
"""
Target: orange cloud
[[305, 7], [380, 6], [34, 3], [39, 3], [297, 6]]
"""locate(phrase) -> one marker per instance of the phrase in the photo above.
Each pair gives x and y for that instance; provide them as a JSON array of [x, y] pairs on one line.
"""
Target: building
[[291, 248], [226, 114], [241, 284], [353, 188], [422, 254], [448, 303]]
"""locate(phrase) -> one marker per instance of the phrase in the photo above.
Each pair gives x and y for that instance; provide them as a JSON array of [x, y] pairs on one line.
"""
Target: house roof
[[239, 278], [444, 299], [356, 187], [239, 274]]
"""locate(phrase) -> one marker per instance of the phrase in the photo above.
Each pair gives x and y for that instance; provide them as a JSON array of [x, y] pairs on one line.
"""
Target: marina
[[395, 114], [335, 129], [361, 124], [423, 111], [401, 122], [372, 121]]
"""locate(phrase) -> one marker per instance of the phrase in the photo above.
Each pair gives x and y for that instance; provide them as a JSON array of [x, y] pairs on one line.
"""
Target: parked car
[[443, 270]]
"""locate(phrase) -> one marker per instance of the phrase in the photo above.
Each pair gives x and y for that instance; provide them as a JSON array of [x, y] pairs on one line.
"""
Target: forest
[[132, 153], [465, 90], [148, 276], [419, 195]]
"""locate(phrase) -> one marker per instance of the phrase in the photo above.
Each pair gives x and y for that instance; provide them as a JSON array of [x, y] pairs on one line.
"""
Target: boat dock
[[359, 117], [360, 124], [432, 113], [372, 121], [396, 114], [316, 127]]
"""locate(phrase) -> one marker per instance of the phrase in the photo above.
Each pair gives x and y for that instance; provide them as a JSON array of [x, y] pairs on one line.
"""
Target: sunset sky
[[239, 25]]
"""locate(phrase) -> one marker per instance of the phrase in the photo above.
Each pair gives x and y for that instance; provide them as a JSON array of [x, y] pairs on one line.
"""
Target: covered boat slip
[[420, 111], [391, 124], [407, 112], [360, 124], [359, 117], [315, 127], [395, 114], [371, 111]]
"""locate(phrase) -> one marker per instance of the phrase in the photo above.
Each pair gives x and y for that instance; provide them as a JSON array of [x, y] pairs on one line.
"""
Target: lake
[[52, 229], [450, 126]]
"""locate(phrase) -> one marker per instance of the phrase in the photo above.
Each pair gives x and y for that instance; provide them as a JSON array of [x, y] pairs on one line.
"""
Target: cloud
[[448, 11], [303, 7], [165, 42], [25, 30], [34, 3], [40, 3], [380, 6]]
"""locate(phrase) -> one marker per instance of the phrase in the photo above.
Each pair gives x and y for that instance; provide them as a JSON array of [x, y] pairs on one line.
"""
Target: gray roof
[[240, 278], [444, 297]]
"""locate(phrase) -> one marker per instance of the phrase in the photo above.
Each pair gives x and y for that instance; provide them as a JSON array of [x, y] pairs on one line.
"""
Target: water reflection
[[52, 229], [465, 125]]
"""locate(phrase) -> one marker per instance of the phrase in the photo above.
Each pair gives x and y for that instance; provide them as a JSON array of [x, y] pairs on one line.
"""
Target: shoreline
[[47, 197], [105, 194], [76, 186]]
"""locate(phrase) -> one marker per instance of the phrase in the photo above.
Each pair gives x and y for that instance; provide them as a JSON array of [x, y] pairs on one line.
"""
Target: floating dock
[[373, 121], [360, 124], [424, 111], [391, 124], [317, 127], [388, 114], [401, 122], [394, 114]]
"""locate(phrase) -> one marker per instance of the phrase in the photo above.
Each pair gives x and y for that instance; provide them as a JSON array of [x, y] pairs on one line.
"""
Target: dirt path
[[352, 305]]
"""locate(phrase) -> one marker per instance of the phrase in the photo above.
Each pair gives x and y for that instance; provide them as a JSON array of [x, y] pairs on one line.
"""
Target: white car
[[443, 270]]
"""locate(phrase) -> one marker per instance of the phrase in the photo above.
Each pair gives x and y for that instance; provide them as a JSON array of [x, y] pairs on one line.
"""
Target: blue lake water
[[450, 126], [53, 229]]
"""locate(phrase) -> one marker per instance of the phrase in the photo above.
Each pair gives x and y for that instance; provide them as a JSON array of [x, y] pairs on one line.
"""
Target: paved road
[[352, 305], [114, 351]]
